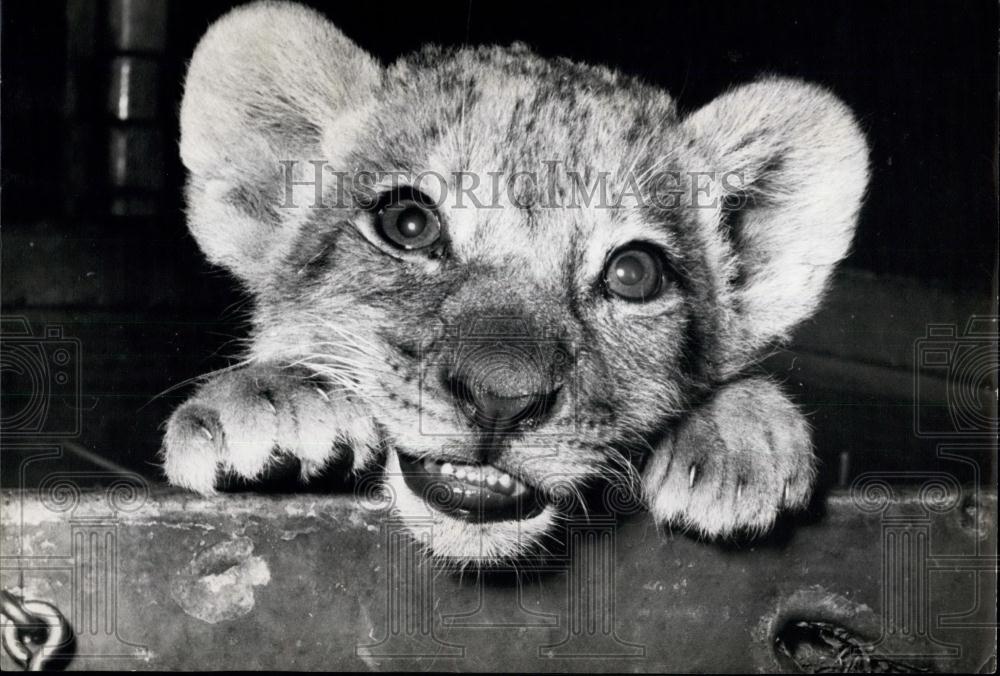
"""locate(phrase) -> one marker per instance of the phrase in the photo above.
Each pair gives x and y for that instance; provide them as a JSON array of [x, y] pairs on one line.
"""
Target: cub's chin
[[465, 513]]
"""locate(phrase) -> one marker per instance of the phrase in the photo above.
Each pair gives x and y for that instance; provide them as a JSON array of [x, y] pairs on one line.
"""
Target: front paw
[[733, 464], [241, 421]]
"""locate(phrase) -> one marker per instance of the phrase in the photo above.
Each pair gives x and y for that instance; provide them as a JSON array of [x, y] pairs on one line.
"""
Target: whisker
[[197, 379]]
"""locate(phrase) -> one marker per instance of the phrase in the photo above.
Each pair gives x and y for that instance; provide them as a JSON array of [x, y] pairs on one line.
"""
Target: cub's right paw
[[241, 421]]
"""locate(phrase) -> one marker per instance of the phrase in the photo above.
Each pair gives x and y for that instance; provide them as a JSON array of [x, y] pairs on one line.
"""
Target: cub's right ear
[[268, 83]]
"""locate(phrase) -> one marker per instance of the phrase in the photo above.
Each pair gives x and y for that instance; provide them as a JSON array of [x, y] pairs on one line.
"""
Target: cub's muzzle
[[503, 377]]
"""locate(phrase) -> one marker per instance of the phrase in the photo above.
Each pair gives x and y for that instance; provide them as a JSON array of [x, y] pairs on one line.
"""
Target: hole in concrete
[[218, 584], [219, 566], [817, 646]]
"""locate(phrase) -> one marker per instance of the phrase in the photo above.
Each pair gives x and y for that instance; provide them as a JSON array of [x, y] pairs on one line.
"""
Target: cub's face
[[515, 338], [524, 270]]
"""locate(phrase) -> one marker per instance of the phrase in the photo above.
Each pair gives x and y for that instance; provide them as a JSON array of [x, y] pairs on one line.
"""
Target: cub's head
[[525, 269]]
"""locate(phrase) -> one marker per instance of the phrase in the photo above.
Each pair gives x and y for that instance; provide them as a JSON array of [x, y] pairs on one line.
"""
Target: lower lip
[[465, 500]]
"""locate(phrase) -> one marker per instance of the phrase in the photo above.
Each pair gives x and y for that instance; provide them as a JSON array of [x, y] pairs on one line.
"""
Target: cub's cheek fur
[[272, 83]]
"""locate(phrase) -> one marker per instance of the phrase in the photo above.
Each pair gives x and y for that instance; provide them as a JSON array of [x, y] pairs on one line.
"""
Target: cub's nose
[[504, 373], [498, 413]]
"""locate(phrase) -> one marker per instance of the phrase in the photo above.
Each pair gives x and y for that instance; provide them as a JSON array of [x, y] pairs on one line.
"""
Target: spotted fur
[[344, 327]]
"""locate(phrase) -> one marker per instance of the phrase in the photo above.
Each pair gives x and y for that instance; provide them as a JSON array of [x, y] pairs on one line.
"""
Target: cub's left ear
[[796, 166]]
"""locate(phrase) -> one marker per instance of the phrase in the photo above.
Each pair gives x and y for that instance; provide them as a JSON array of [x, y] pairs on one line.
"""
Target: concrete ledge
[[152, 579]]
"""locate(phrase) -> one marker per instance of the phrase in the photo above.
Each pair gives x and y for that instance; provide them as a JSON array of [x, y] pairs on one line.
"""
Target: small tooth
[[447, 468], [506, 481], [460, 473], [491, 480], [474, 475], [468, 493]]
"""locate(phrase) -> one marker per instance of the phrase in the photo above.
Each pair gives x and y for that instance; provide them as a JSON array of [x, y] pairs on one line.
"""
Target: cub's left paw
[[733, 464]]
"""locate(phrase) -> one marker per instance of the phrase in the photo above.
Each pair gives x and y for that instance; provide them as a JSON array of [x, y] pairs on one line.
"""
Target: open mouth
[[476, 493]]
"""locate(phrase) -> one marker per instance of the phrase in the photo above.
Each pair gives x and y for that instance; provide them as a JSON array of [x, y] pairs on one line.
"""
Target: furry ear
[[269, 82], [794, 165]]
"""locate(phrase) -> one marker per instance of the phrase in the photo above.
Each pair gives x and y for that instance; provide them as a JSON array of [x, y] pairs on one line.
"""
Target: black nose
[[499, 413]]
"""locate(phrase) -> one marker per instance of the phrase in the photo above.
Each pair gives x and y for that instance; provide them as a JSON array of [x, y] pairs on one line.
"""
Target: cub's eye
[[408, 222], [635, 273]]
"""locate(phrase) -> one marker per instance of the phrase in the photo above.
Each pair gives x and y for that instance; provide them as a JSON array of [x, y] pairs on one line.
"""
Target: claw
[[692, 475], [739, 490], [322, 393], [784, 494], [207, 432], [270, 405]]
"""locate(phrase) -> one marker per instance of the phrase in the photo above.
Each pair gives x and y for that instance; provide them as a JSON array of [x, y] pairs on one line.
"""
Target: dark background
[[106, 255], [921, 76]]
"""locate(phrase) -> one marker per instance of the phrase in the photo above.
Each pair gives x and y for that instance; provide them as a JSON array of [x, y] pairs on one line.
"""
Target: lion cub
[[508, 279]]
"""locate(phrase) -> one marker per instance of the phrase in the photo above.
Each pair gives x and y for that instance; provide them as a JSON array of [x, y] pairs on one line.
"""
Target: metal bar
[[153, 579]]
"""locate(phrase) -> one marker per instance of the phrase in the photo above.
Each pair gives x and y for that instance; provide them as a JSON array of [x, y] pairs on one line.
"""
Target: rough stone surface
[[161, 580]]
